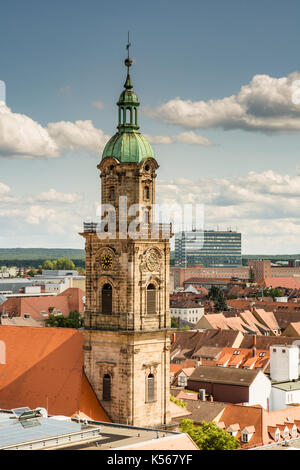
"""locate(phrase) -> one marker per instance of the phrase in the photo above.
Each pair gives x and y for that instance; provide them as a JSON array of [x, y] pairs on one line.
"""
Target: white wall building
[[189, 311], [284, 373], [284, 363]]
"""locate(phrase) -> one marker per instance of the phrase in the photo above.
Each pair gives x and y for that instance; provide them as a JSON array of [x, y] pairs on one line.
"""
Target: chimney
[[173, 338], [211, 398], [254, 345]]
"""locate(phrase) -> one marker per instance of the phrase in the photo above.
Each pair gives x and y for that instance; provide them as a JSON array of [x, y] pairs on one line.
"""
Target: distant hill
[[41, 253], [36, 256]]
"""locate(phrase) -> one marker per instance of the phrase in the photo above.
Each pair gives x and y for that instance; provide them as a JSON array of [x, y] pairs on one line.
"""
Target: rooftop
[[287, 386]]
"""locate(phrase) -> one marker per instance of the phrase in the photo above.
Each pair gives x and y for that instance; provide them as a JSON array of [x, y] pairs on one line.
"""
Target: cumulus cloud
[[266, 104], [78, 134], [22, 137], [264, 206], [55, 196], [188, 137]]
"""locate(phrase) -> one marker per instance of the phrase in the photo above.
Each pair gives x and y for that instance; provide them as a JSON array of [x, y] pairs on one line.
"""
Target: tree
[[64, 263], [251, 275], [48, 264], [60, 263], [31, 272], [220, 303], [208, 436], [174, 322], [214, 292], [74, 320]]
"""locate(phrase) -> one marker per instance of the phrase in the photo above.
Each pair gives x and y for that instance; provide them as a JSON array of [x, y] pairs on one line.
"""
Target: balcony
[[154, 231]]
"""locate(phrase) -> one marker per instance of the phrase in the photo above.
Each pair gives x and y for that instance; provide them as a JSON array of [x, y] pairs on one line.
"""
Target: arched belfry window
[[106, 387], [112, 194], [150, 390], [106, 299], [128, 116], [147, 192], [151, 299]]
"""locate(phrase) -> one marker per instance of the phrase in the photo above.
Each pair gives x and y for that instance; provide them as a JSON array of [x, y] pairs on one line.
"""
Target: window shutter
[[151, 300], [150, 385]]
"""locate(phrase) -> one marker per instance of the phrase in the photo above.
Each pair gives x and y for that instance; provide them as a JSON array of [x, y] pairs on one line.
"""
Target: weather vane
[[128, 45]]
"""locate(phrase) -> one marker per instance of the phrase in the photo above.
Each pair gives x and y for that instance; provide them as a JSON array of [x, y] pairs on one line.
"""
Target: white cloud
[[188, 137], [22, 137], [78, 134], [4, 188], [264, 206], [54, 196], [266, 104], [98, 104]]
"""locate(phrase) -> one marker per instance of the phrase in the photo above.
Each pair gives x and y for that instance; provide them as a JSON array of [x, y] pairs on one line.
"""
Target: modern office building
[[209, 248]]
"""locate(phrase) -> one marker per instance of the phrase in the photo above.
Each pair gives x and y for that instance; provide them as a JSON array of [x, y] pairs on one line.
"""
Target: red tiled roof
[[44, 368], [287, 282], [19, 306], [75, 297]]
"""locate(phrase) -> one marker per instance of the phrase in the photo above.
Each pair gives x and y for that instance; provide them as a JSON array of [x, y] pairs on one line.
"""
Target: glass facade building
[[209, 247]]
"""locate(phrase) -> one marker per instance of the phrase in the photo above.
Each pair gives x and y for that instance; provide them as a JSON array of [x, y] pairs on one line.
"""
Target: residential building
[[40, 307], [255, 427], [233, 385], [187, 310]]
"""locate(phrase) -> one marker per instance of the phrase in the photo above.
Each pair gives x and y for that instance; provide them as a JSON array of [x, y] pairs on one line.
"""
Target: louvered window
[[107, 299], [106, 387], [150, 388], [151, 299]]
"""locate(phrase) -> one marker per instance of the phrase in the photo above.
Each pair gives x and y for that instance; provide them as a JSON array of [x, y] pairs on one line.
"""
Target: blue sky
[[59, 58]]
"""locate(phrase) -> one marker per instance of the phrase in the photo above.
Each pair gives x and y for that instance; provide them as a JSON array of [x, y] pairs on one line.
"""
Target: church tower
[[127, 317]]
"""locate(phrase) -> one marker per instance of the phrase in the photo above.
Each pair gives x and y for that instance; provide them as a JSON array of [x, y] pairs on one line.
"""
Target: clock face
[[106, 261], [152, 261]]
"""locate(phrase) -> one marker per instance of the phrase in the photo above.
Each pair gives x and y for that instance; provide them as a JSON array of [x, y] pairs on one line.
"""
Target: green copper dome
[[128, 145]]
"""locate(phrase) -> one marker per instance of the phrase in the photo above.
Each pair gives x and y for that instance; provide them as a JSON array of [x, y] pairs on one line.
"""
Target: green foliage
[[251, 275], [213, 292], [48, 264], [60, 263], [178, 402], [32, 272], [174, 322], [40, 254], [269, 292], [220, 302], [208, 436], [74, 320]]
